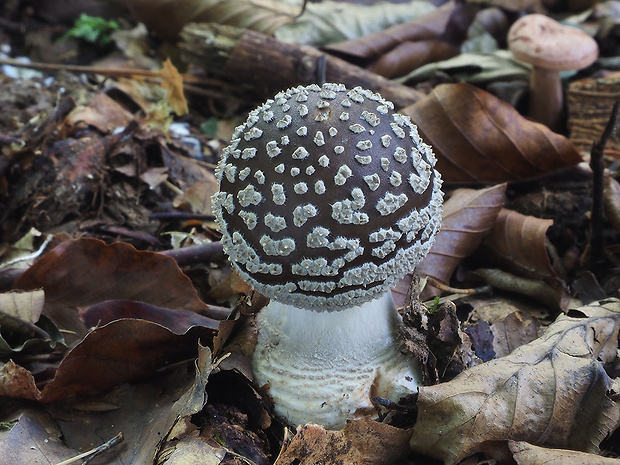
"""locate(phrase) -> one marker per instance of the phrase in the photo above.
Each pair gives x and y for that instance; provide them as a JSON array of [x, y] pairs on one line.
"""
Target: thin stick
[[89, 455], [597, 240]]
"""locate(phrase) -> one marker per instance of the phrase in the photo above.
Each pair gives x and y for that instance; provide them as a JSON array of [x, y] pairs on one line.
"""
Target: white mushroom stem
[[324, 367], [546, 100]]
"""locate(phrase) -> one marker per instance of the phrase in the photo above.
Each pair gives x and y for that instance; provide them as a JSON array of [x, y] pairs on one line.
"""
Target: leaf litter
[[103, 337]]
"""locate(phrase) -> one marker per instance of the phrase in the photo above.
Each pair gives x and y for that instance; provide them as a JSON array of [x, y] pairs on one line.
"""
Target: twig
[[597, 240], [199, 253], [91, 454], [190, 82]]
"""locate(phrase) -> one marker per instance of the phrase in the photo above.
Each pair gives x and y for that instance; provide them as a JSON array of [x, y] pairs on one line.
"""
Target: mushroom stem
[[546, 100], [324, 367]]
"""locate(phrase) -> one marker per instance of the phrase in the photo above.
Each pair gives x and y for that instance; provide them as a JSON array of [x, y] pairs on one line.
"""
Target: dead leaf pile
[[552, 392], [116, 326]]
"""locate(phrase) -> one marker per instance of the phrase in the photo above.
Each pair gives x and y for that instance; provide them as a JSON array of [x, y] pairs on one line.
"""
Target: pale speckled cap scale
[[327, 197]]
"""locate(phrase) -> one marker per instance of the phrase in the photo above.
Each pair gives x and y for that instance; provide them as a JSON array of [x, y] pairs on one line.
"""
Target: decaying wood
[[248, 56]]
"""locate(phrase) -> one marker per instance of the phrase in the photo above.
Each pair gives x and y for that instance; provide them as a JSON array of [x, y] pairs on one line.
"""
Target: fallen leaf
[[480, 139], [527, 454], [191, 450], [121, 351], [146, 413], [83, 272], [517, 244], [363, 442], [468, 216], [102, 113], [512, 332], [515, 252], [167, 17], [332, 22], [24, 306], [36, 440], [551, 392], [173, 83], [197, 197], [453, 18], [473, 68], [177, 321], [553, 297], [407, 56]]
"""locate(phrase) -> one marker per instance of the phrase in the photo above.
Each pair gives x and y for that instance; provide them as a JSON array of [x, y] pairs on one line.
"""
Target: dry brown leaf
[[167, 17], [479, 138], [515, 330], [173, 83], [361, 442], [469, 215], [517, 243], [551, 392], [103, 113], [83, 272], [527, 454], [407, 56], [197, 197], [453, 17]]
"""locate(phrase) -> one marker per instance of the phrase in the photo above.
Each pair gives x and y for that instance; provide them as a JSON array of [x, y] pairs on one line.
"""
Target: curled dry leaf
[[551, 392], [516, 247], [479, 138], [454, 17], [167, 17], [361, 442], [527, 454], [468, 217], [517, 243]]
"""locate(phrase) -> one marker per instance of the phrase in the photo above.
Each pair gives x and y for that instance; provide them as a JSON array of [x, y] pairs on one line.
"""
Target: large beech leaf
[[468, 216], [167, 17], [479, 138], [84, 272], [551, 392]]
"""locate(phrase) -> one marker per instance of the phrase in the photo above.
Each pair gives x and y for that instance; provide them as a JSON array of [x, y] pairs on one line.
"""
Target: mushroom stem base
[[324, 367]]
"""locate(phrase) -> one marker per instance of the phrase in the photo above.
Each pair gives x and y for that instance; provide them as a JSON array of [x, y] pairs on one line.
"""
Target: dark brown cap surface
[[327, 197]]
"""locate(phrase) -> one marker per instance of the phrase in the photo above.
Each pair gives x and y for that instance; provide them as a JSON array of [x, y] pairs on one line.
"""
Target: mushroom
[[327, 198], [550, 48]]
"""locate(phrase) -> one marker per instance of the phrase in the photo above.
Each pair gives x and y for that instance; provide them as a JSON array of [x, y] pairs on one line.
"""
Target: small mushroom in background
[[327, 198], [549, 47]]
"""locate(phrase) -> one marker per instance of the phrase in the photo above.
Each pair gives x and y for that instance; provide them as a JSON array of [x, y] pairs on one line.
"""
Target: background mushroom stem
[[324, 367], [546, 99]]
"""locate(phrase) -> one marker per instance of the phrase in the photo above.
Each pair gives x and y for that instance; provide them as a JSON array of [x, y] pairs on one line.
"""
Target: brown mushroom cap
[[327, 197], [543, 42]]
